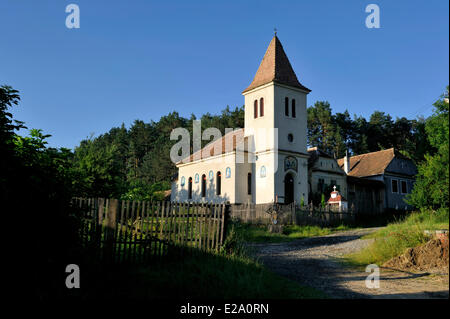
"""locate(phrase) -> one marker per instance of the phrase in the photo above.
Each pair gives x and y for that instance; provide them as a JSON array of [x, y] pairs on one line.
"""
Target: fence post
[[294, 221], [223, 225], [110, 227]]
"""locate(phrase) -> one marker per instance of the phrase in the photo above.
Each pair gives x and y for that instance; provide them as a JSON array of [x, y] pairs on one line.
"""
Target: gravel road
[[314, 262]]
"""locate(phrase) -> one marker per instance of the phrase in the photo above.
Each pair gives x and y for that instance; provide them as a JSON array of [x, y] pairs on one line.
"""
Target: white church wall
[[287, 124], [214, 164], [300, 178], [265, 185], [242, 170]]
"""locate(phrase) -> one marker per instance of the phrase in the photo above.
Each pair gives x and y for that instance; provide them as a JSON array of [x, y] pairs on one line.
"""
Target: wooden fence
[[291, 214], [134, 231]]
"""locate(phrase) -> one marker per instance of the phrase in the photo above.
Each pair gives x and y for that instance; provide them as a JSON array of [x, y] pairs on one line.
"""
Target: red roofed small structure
[[337, 201]]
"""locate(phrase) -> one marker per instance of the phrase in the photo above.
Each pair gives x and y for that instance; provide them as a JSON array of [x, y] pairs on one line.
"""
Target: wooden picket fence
[[136, 231], [291, 214]]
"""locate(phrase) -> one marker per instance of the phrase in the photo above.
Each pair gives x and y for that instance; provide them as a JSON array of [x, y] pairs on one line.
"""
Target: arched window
[[262, 172], [249, 183], [286, 106], [190, 188], [255, 109], [203, 185], [219, 183], [293, 108], [261, 107]]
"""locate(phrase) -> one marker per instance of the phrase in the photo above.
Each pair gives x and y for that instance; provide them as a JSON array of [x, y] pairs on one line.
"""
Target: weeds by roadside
[[395, 238]]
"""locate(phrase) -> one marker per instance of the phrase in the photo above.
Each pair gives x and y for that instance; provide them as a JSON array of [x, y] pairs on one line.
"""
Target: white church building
[[267, 160]]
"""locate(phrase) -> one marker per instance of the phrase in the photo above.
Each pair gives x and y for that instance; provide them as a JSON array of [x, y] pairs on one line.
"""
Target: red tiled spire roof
[[275, 66]]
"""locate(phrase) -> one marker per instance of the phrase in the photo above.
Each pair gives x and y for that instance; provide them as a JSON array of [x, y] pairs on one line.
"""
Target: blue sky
[[141, 59]]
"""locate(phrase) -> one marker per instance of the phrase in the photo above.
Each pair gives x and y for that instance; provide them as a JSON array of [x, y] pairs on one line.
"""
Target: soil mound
[[431, 256]]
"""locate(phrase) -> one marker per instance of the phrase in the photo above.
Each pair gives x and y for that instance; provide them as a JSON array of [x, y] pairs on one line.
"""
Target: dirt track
[[315, 262]]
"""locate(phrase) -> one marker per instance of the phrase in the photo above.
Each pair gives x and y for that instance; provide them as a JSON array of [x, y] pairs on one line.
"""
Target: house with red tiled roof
[[379, 181]]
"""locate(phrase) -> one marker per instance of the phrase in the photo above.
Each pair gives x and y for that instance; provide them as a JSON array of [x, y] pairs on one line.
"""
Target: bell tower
[[275, 115], [276, 99]]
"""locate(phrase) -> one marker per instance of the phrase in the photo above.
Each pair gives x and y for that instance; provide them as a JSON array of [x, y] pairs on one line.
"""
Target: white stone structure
[[337, 201], [267, 160]]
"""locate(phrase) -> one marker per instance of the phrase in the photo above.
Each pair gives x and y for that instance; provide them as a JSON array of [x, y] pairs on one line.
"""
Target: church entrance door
[[288, 188]]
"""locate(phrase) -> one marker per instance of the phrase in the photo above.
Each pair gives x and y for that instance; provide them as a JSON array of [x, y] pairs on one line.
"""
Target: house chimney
[[346, 163]]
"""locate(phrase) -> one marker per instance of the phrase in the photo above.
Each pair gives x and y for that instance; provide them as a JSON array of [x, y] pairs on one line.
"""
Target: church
[[267, 160]]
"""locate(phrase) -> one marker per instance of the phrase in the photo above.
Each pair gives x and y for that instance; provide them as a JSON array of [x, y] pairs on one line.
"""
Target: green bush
[[432, 182]]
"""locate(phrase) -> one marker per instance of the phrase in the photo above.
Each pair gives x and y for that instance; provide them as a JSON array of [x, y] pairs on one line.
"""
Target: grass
[[396, 237], [226, 274], [197, 276], [259, 233]]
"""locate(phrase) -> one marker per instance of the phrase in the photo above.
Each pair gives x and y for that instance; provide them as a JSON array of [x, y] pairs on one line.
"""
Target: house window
[[219, 183], [293, 108], [261, 107], [286, 106], [333, 183], [255, 109], [404, 187], [203, 185], [320, 185], [249, 183], [190, 188], [394, 186]]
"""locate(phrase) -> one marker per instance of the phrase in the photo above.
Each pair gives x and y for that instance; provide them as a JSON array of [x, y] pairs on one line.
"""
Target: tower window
[[255, 109], [203, 185], [290, 137], [261, 107], [293, 108], [286, 106], [219, 183], [249, 183]]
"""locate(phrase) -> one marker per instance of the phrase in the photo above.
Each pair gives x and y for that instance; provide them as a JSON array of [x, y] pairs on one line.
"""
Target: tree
[[380, 131], [36, 190], [320, 126], [432, 183], [97, 171]]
